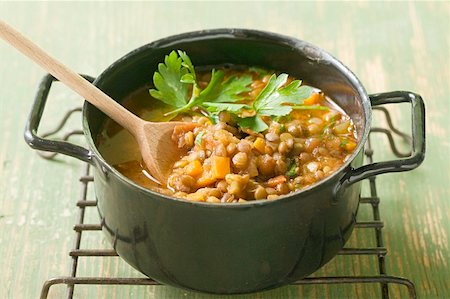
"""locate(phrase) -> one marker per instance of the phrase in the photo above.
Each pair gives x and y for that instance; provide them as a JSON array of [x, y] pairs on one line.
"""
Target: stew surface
[[227, 161]]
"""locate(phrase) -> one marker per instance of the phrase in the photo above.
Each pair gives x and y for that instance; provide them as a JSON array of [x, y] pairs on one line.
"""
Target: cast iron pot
[[232, 248]]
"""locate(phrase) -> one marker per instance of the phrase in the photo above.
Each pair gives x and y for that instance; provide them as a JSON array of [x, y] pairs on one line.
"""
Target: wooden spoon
[[158, 150]]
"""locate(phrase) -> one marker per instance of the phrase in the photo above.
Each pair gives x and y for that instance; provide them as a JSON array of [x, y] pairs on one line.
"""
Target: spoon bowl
[[155, 140]]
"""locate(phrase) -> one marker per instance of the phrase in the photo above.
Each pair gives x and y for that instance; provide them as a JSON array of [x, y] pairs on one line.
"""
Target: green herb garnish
[[167, 80], [254, 123], [218, 107], [198, 138], [176, 77], [329, 125], [259, 71], [272, 101], [229, 90], [343, 142], [292, 170]]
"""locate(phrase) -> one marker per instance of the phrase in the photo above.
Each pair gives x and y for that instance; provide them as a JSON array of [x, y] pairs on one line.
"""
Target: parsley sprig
[[176, 77], [272, 101]]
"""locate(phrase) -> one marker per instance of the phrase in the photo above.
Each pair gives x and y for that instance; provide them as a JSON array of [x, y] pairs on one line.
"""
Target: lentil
[[240, 160]]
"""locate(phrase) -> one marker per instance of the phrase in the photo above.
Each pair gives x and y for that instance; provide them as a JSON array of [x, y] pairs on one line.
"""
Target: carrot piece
[[220, 167], [206, 179], [313, 99], [260, 145], [194, 168], [196, 196], [349, 146], [273, 182]]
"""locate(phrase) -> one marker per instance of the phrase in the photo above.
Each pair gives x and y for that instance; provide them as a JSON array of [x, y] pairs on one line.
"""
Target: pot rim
[[314, 52]]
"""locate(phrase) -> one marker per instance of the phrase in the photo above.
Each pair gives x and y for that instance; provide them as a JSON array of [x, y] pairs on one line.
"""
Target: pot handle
[[34, 119], [418, 139]]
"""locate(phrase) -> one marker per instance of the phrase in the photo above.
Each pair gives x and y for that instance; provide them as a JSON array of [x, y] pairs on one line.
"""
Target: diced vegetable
[[350, 146], [194, 168], [342, 128], [260, 145], [273, 182], [220, 166], [205, 179], [197, 196], [313, 99]]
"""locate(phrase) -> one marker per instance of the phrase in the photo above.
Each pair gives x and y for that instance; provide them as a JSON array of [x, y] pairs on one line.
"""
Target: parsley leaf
[[272, 98], [292, 170], [198, 139], [167, 80], [254, 123], [214, 88], [199, 96], [231, 88], [219, 95], [230, 107], [187, 63], [272, 101], [259, 71]]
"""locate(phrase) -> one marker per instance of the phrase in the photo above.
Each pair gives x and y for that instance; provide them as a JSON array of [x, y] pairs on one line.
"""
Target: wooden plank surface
[[389, 46]]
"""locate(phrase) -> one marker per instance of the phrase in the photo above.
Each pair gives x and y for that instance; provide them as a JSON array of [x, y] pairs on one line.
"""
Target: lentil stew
[[227, 163]]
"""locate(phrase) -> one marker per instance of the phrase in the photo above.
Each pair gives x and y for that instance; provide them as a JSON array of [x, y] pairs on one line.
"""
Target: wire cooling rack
[[374, 226]]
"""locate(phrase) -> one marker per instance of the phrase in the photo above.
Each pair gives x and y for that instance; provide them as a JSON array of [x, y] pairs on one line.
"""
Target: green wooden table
[[389, 46]]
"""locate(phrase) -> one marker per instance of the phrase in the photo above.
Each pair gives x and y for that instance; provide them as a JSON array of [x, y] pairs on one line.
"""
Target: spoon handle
[[74, 81]]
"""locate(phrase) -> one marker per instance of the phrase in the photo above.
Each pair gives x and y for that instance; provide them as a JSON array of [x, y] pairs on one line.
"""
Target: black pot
[[232, 248]]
